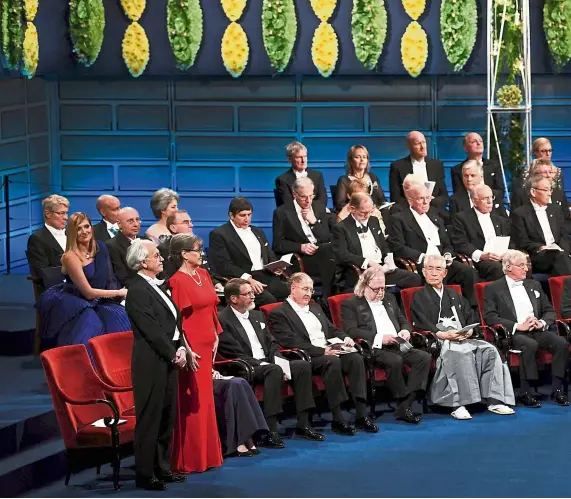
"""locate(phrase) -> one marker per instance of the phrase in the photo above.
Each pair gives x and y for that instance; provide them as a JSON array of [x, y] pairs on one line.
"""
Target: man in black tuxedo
[[358, 240], [47, 245], [419, 231], [521, 306], [376, 317], [426, 169], [301, 324], [296, 154], [108, 206], [159, 349], [303, 226], [237, 249], [245, 336], [472, 228], [129, 224], [538, 229], [474, 147]]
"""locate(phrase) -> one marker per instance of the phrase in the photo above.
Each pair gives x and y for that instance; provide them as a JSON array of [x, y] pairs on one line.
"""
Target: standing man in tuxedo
[[358, 240], [303, 227], [108, 206], [129, 224], [238, 249], [538, 226], [245, 335], [296, 154], [158, 351], [474, 227], [425, 169], [521, 306]]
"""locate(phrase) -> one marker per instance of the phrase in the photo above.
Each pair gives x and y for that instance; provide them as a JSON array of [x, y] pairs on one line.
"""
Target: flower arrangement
[[185, 27], [369, 30], [458, 30], [12, 32], [509, 96], [414, 49], [86, 26], [279, 30], [233, 8], [31, 9], [133, 8], [414, 8], [323, 8], [557, 28], [235, 49], [325, 49], [136, 50], [31, 50]]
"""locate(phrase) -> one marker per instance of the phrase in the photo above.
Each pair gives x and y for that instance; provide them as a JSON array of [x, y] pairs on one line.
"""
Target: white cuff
[[476, 255], [420, 258], [365, 264], [245, 276], [544, 324], [181, 348], [514, 330]]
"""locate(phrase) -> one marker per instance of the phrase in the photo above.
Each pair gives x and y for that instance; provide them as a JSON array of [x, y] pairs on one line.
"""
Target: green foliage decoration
[[557, 28], [12, 28], [511, 46], [87, 27], [185, 30], [458, 30], [369, 30], [279, 31]]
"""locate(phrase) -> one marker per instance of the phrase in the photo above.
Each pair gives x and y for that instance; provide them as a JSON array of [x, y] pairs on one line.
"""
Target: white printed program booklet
[[497, 245], [284, 364]]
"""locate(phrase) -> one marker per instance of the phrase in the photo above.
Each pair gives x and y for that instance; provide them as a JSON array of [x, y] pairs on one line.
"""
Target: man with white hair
[[129, 224], [521, 306], [108, 206], [468, 370]]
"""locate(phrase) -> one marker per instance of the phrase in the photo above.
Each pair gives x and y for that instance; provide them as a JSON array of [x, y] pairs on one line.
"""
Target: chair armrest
[[465, 259], [563, 328], [240, 365], [299, 259], [295, 354], [418, 340], [34, 278], [365, 346], [433, 345], [406, 264], [357, 270]]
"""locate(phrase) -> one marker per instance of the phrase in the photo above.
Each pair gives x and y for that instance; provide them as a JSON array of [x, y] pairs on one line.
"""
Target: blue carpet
[[524, 455]]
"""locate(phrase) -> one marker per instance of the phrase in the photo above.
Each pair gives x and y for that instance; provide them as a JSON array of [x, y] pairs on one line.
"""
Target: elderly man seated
[[468, 371], [129, 224]]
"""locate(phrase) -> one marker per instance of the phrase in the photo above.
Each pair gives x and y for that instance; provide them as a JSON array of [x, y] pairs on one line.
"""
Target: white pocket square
[[266, 244], [536, 293], [493, 173], [262, 325]]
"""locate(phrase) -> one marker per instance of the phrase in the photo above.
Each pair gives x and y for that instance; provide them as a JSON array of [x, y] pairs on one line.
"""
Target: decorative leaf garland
[[185, 29], [30, 47], [133, 8], [12, 32], [31, 9], [369, 30], [233, 8], [87, 26], [414, 49], [557, 28], [414, 8], [234, 47], [279, 30], [324, 46], [323, 9], [458, 30], [509, 96], [135, 46]]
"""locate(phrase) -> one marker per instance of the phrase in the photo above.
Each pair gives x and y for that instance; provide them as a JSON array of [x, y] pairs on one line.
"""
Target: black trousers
[[276, 288], [489, 271], [552, 262], [528, 343], [333, 370], [391, 359], [321, 265]]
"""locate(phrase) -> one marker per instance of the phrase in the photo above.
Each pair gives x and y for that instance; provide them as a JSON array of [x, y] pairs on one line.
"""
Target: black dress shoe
[[247, 453], [527, 400], [309, 433], [151, 484], [366, 424], [273, 441], [560, 398], [171, 477], [343, 428], [408, 416], [255, 451]]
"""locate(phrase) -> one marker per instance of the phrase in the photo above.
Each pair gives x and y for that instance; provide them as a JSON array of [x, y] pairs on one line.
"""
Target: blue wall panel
[[143, 177], [113, 147], [85, 117], [200, 179], [204, 119], [267, 119], [143, 117]]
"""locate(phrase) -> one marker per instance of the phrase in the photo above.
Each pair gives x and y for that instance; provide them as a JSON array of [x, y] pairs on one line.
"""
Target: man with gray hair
[[129, 224], [108, 206], [520, 305]]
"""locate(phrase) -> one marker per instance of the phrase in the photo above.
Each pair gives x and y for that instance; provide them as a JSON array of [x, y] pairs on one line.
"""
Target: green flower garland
[[369, 30], [86, 26], [279, 31], [557, 28], [185, 28], [458, 30], [12, 32]]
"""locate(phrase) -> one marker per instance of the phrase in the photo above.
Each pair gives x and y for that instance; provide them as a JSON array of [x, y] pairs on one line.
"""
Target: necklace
[[87, 256], [199, 282]]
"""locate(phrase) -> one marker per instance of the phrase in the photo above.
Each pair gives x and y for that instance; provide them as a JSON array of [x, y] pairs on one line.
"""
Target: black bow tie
[[362, 229]]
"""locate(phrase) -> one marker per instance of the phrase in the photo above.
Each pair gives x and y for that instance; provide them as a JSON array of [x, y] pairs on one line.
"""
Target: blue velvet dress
[[70, 319]]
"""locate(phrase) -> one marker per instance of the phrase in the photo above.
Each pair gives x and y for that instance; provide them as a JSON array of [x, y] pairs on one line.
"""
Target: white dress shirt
[[301, 174], [541, 214], [485, 221], [112, 229], [383, 323], [522, 303], [304, 225], [253, 247], [419, 169], [430, 232], [311, 323], [59, 235], [369, 248], [257, 349]]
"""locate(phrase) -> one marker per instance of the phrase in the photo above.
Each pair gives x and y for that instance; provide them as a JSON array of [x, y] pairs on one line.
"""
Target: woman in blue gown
[[87, 304]]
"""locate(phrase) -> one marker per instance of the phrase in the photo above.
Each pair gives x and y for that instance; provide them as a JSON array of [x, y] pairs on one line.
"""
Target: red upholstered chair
[[112, 358], [79, 398]]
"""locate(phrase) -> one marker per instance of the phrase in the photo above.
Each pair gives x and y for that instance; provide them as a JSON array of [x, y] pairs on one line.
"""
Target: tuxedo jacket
[[499, 307], [284, 185], [43, 251], [228, 254], [288, 234], [492, 176], [377, 194], [118, 247], [234, 342], [520, 197], [289, 331], [460, 202], [566, 299], [407, 240], [358, 320], [100, 231], [467, 235], [527, 230]]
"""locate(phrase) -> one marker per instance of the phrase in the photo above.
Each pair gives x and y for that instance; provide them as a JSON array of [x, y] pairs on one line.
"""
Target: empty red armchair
[[79, 398]]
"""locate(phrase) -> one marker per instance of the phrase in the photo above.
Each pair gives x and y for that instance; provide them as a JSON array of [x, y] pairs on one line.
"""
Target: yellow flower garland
[[134, 8], [31, 50], [31, 9], [325, 49], [136, 50], [414, 49], [323, 8], [414, 8], [233, 8], [235, 49]]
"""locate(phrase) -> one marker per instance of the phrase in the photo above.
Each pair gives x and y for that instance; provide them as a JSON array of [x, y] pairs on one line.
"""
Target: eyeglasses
[[547, 189], [434, 269], [424, 199], [377, 290], [61, 213], [520, 265], [157, 256], [546, 151], [249, 293], [489, 198], [306, 198], [306, 290], [199, 251]]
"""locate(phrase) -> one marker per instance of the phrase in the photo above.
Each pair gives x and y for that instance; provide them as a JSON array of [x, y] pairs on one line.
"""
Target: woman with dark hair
[[164, 203], [88, 303]]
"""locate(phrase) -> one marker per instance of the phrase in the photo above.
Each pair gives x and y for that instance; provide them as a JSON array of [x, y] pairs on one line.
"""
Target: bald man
[[426, 169], [108, 206], [129, 224]]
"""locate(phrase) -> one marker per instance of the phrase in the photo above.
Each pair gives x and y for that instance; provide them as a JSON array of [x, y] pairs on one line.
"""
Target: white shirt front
[[59, 235], [112, 229], [487, 226], [301, 174], [311, 323], [541, 214], [383, 322], [522, 303], [304, 225], [430, 232], [419, 169], [257, 349], [253, 247]]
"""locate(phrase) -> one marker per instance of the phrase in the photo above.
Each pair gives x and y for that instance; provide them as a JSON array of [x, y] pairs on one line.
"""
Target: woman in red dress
[[196, 443]]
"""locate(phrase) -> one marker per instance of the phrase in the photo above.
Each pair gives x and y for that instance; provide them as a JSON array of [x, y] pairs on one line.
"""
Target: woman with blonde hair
[[164, 203]]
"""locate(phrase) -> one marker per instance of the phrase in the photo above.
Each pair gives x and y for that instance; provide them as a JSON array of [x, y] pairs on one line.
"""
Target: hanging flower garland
[[414, 42], [135, 46], [458, 30], [414, 8], [325, 46], [30, 47], [86, 26], [31, 9], [12, 32], [279, 30], [509, 96], [234, 47], [557, 28], [185, 29], [369, 30]]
